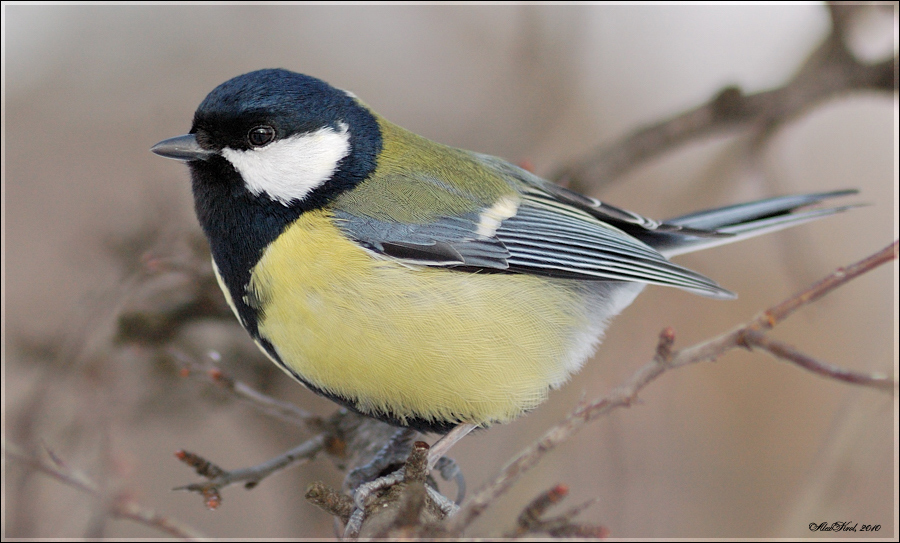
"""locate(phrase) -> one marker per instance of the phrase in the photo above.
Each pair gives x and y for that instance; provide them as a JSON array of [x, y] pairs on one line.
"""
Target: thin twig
[[665, 359], [120, 507], [219, 478], [530, 517], [531, 520], [787, 352], [273, 407], [774, 315]]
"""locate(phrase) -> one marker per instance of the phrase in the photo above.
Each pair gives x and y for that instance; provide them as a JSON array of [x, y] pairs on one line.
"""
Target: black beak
[[184, 148]]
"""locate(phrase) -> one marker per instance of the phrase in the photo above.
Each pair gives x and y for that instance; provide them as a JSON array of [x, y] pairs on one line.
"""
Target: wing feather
[[561, 240], [535, 227]]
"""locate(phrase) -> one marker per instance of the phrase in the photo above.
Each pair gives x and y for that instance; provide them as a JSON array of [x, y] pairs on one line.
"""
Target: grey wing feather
[[451, 241], [714, 219], [545, 237], [743, 221], [557, 240]]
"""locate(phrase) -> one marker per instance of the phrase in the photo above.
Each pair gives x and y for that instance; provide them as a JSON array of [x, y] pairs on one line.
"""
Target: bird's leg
[[364, 480], [388, 455], [394, 452], [443, 445]]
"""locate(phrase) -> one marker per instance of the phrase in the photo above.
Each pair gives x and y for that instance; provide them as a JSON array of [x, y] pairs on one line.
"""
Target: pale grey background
[[745, 447]]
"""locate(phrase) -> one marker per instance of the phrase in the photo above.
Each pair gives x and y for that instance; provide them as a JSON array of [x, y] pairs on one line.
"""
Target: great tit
[[413, 282]]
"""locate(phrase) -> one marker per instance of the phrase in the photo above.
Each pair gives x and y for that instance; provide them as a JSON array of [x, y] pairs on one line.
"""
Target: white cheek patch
[[289, 169]]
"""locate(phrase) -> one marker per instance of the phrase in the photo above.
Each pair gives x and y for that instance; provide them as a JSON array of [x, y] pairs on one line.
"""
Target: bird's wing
[[627, 221], [529, 230], [550, 237], [449, 241]]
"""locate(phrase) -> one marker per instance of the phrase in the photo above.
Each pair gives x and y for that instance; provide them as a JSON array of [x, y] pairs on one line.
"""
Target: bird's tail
[[742, 221]]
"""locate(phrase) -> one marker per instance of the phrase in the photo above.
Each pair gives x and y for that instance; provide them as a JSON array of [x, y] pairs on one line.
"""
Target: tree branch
[[830, 71], [219, 478], [284, 411], [121, 506], [531, 521], [752, 338]]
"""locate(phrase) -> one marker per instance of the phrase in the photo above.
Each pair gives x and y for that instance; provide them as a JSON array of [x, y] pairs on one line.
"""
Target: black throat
[[240, 225]]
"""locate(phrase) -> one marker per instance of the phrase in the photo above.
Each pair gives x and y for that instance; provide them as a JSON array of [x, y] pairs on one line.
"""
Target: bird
[[423, 285]]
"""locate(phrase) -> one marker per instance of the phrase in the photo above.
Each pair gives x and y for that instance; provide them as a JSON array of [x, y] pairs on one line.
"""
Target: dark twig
[[414, 498], [531, 519], [417, 464], [665, 359], [331, 501], [219, 478]]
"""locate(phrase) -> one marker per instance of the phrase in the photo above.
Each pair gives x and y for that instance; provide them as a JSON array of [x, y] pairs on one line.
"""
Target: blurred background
[[744, 447]]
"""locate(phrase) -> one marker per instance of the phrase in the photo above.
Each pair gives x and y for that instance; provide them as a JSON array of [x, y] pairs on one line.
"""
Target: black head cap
[[290, 102], [240, 224]]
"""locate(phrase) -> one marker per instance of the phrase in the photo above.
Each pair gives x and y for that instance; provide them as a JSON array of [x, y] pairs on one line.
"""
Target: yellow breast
[[409, 341]]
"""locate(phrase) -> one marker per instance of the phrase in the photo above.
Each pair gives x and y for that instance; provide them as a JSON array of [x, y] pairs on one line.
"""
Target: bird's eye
[[261, 135]]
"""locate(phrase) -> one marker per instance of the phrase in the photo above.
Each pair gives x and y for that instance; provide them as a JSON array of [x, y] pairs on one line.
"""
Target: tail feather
[[743, 221]]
